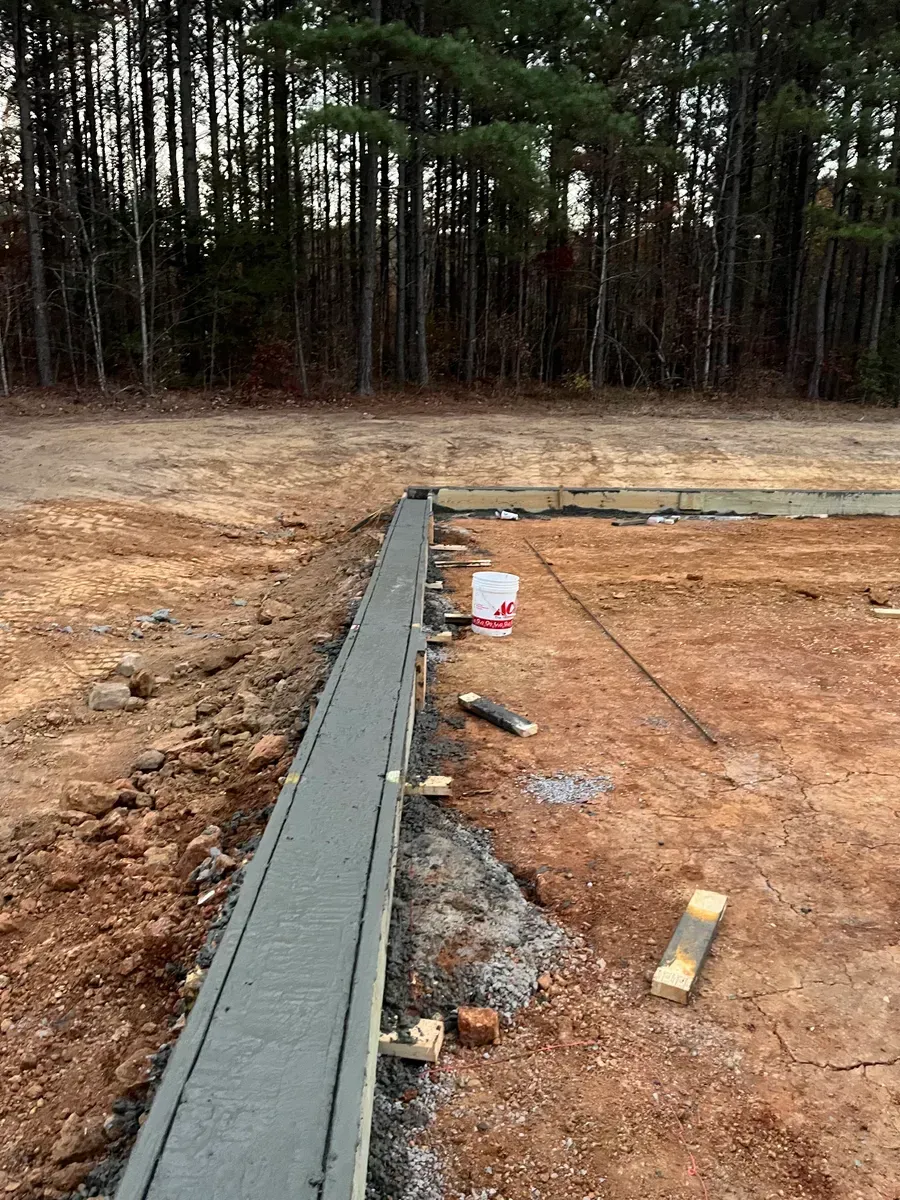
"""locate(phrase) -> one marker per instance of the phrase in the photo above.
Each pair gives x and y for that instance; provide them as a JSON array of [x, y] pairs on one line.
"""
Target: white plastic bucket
[[494, 602]]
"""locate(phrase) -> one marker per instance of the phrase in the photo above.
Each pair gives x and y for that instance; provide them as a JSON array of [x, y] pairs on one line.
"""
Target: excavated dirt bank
[[101, 924]]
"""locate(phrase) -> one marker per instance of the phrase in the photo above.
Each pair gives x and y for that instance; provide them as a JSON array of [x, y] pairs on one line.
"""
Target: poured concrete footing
[[622, 501], [269, 1089]]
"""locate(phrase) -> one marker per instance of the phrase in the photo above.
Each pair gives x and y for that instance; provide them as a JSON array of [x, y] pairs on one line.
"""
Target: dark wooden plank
[[490, 710], [269, 1089]]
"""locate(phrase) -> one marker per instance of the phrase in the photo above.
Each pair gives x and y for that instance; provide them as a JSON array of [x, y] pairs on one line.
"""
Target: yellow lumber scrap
[[422, 1043], [686, 952]]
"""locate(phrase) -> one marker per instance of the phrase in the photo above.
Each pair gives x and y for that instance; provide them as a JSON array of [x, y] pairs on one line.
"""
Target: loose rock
[[8, 924], [225, 656], [95, 799], [66, 881], [142, 685], [134, 1071], [274, 610], [197, 850], [130, 664], [77, 1140], [109, 697], [150, 760], [478, 1026], [268, 749]]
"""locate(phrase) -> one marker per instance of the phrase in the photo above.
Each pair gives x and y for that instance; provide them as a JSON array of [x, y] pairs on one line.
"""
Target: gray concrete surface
[[269, 1091]]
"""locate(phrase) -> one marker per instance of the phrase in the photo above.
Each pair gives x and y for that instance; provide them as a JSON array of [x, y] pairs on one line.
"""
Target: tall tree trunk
[[369, 248], [215, 165], [188, 126], [471, 278], [402, 255], [29, 197], [732, 216], [420, 262]]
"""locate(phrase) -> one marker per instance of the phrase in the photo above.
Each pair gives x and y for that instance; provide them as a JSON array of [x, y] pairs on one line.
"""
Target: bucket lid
[[495, 579]]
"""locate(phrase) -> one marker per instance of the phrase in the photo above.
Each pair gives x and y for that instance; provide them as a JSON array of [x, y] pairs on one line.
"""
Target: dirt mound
[[123, 831]]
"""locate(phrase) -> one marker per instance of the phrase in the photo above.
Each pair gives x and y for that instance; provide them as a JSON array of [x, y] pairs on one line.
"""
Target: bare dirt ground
[[105, 517], [782, 1078]]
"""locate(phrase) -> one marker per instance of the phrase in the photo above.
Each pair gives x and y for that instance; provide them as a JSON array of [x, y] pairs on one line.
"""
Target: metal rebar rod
[[612, 637]]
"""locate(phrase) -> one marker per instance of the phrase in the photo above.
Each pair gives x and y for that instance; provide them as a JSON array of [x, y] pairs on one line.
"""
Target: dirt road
[[242, 466]]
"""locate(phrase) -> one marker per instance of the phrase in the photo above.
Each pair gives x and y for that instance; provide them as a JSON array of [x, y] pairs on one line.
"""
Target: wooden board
[[879, 611], [458, 618], [686, 952], [434, 785], [422, 1043], [490, 710]]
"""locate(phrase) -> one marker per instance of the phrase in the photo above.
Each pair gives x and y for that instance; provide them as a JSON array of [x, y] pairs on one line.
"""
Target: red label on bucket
[[506, 609], [487, 623]]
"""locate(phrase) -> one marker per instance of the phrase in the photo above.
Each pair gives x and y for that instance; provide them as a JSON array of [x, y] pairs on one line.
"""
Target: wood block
[[440, 639], [489, 710], [436, 586], [458, 618], [448, 546], [421, 679], [462, 562], [434, 785], [422, 1043], [686, 952], [880, 611]]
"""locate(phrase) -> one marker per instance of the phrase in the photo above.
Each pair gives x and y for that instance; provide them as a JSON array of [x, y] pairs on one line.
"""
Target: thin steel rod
[[640, 666]]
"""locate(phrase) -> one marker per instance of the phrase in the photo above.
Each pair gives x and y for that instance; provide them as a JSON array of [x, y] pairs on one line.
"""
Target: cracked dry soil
[[782, 1078]]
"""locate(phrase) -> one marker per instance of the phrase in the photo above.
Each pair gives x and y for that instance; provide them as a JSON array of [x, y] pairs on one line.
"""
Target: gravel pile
[[574, 788]]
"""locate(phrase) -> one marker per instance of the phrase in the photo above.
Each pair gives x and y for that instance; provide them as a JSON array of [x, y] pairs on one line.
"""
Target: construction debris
[[434, 785], [434, 586], [440, 639], [687, 951], [880, 611], [489, 710], [422, 1043], [450, 547]]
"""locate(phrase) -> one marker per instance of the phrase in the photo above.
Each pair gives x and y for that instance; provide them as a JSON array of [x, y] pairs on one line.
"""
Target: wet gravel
[[566, 788]]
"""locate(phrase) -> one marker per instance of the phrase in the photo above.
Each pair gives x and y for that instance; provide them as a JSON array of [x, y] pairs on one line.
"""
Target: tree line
[[639, 193]]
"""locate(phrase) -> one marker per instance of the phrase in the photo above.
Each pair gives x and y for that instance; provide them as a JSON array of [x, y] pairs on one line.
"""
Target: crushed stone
[[566, 788], [461, 924]]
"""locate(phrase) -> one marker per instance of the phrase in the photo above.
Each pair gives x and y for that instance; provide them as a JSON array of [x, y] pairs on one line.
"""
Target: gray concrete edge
[[151, 1139], [625, 501]]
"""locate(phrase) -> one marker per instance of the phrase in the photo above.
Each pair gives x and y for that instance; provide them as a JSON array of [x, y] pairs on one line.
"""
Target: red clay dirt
[[107, 515], [98, 927], [782, 1077]]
